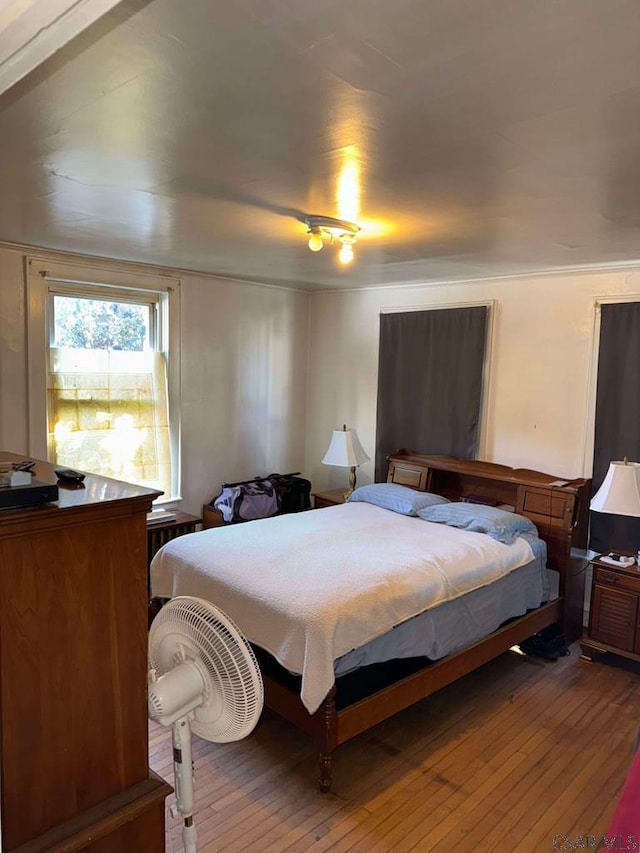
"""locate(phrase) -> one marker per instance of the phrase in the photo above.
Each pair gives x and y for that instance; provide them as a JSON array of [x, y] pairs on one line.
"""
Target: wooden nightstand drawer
[[332, 497], [614, 618], [617, 579]]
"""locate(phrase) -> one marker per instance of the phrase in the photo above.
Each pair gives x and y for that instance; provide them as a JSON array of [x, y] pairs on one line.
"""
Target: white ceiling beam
[[32, 30]]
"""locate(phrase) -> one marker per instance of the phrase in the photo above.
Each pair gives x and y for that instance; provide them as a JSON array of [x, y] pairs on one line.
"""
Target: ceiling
[[467, 138]]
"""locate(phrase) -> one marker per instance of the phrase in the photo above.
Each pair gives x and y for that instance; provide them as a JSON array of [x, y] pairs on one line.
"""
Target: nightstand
[[614, 614], [332, 497]]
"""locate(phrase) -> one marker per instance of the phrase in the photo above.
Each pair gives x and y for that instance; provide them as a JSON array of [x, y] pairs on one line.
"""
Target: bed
[[357, 612]]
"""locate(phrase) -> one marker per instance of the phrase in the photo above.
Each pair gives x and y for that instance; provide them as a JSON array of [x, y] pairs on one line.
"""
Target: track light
[[323, 229]]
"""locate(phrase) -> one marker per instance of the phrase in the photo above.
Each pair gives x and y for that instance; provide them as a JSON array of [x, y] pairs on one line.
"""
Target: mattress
[[451, 626]]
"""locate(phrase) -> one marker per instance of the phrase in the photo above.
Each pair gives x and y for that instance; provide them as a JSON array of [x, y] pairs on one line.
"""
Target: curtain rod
[[157, 288]]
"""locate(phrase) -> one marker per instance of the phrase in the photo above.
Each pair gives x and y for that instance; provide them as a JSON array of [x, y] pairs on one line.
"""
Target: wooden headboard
[[561, 514]]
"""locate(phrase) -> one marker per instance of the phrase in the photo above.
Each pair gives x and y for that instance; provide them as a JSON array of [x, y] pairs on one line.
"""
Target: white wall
[[244, 367], [539, 385], [244, 375]]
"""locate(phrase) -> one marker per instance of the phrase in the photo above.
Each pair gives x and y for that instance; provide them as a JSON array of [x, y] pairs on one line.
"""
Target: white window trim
[[39, 272]]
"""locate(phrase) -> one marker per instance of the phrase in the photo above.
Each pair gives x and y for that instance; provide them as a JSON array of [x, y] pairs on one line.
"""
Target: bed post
[[327, 739]]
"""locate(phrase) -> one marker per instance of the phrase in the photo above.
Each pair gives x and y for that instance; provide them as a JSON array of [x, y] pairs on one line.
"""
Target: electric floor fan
[[203, 677]]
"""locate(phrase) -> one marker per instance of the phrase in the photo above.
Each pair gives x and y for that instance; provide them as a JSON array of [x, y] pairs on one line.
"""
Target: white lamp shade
[[345, 450], [619, 493]]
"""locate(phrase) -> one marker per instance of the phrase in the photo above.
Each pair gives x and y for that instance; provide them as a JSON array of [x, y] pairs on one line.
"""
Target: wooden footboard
[[335, 723]]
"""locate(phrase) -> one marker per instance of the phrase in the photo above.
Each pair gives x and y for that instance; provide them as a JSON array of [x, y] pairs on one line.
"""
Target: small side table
[[332, 497], [614, 613]]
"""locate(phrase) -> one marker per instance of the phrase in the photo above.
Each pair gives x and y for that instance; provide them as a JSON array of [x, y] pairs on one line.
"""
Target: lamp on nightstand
[[619, 494], [345, 451]]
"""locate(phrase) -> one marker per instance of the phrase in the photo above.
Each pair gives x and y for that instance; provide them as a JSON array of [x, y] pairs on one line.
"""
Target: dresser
[[73, 664]]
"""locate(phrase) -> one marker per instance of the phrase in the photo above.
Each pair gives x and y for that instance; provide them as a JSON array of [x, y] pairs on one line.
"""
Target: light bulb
[[346, 252], [315, 241]]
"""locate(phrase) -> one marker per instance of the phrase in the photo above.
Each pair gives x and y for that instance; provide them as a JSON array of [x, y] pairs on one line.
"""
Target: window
[[617, 414], [431, 376], [102, 373]]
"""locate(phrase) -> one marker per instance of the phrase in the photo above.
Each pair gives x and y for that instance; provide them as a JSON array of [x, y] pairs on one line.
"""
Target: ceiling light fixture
[[323, 229], [346, 252]]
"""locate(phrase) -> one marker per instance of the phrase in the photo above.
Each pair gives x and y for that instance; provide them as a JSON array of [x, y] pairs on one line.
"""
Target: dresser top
[[95, 491]]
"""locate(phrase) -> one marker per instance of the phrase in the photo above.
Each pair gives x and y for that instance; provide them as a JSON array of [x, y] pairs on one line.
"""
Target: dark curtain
[[617, 425], [430, 382]]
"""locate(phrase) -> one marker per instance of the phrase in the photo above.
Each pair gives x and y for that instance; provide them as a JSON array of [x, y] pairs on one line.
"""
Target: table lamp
[[345, 451], [619, 494]]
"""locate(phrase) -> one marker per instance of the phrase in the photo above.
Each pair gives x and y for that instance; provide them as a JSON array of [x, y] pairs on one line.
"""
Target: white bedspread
[[311, 586]]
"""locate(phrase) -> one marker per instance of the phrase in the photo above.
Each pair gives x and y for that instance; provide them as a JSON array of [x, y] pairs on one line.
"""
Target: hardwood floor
[[504, 760]]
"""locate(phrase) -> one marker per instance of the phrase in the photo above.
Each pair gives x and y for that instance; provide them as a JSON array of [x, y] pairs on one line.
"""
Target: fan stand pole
[[183, 773]]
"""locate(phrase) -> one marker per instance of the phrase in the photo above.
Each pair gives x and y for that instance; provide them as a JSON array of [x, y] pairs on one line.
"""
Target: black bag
[[263, 497], [247, 501], [294, 493]]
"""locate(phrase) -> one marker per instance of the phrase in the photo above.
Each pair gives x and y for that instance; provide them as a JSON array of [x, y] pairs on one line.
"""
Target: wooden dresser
[[73, 663]]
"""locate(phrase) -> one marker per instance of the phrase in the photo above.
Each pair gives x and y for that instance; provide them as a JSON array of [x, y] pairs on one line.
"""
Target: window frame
[[44, 279], [588, 439], [621, 530], [116, 294], [489, 355]]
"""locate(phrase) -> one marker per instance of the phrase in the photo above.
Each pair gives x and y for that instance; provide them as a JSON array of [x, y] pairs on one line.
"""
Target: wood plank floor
[[505, 759]]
